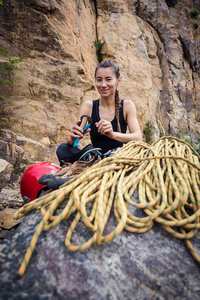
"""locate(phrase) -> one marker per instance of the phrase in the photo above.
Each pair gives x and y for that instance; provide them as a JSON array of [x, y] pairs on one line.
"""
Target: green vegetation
[[172, 2], [160, 130], [10, 64], [195, 145], [147, 132], [194, 13], [197, 119], [99, 45]]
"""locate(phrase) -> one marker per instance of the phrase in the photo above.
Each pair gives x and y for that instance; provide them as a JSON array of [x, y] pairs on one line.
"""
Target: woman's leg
[[67, 153]]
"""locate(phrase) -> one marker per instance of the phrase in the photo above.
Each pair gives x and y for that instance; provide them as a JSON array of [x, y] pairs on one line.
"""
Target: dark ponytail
[[114, 66]]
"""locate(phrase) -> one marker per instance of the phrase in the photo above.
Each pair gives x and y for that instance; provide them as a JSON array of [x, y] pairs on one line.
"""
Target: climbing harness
[[89, 119], [166, 175]]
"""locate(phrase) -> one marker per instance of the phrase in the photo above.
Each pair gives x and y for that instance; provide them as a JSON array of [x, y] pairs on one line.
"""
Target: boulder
[[35, 151], [153, 265], [5, 172], [18, 149], [6, 219], [10, 197]]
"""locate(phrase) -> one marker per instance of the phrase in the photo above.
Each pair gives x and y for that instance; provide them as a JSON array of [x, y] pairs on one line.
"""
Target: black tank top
[[102, 141]]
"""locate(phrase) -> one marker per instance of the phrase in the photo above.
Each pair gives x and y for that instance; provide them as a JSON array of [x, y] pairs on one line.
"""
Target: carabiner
[[89, 119]]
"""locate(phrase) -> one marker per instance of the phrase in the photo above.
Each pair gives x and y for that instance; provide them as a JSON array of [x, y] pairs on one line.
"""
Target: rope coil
[[167, 176]]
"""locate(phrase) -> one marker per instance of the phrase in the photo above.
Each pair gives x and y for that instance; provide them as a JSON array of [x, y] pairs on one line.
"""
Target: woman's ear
[[118, 80]]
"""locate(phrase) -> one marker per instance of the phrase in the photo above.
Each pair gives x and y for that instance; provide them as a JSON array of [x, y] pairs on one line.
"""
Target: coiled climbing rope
[[167, 176]]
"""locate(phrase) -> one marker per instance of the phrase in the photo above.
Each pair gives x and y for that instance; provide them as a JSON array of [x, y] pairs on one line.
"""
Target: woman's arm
[[105, 127], [77, 129]]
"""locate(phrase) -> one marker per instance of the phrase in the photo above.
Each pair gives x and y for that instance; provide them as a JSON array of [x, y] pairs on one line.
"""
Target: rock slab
[[153, 265], [5, 172]]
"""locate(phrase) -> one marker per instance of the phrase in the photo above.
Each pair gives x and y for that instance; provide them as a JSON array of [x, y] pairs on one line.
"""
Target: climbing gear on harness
[[30, 188], [89, 119], [110, 152], [166, 175], [90, 153]]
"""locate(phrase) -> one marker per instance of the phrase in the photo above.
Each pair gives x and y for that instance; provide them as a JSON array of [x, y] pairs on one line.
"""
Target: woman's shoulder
[[88, 102], [86, 107], [128, 104], [129, 109]]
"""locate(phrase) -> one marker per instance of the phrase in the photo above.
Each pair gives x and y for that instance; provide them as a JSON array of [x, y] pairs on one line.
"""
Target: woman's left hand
[[105, 128]]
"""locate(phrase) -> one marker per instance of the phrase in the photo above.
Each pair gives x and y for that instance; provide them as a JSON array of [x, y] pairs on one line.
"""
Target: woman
[[110, 116]]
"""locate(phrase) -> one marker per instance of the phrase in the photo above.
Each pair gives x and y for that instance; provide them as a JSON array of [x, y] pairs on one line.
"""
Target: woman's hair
[[115, 68]]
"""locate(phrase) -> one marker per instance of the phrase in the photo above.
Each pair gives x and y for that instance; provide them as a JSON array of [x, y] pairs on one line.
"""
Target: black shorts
[[68, 153]]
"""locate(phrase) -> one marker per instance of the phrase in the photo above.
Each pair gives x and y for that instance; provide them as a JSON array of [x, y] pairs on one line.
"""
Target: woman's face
[[106, 81]]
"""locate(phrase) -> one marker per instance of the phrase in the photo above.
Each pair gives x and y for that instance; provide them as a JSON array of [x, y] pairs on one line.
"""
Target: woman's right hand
[[75, 133]]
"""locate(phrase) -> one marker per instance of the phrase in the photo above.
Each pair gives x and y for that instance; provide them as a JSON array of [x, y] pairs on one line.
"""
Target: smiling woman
[[110, 117]]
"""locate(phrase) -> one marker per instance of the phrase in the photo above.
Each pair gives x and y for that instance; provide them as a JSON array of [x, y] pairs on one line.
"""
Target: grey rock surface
[[5, 172], [153, 265], [10, 197]]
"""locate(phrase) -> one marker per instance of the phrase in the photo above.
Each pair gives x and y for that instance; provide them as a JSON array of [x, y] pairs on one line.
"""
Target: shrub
[[10, 65], [197, 118], [147, 132], [172, 2], [194, 13], [160, 130], [99, 45], [195, 145]]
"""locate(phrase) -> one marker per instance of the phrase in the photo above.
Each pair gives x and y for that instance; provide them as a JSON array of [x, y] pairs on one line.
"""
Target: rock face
[[56, 41], [5, 172], [153, 265], [155, 46], [21, 151]]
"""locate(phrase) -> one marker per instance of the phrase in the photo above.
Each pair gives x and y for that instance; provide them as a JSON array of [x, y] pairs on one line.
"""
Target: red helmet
[[29, 186]]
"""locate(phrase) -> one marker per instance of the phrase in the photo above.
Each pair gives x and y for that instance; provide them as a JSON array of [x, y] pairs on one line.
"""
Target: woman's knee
[[62, 151], [67, 153]]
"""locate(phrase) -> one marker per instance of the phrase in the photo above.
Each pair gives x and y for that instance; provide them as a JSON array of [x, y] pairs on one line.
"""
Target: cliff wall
[[156, 47]]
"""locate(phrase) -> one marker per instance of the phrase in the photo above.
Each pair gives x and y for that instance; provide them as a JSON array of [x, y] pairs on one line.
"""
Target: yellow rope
[[167, 176]]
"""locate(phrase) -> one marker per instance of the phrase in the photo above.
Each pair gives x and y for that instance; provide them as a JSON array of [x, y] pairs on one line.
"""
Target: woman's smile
[[104, 90]]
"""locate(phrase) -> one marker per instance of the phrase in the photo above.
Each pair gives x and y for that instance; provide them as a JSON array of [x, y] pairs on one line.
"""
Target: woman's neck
[[107, 102]]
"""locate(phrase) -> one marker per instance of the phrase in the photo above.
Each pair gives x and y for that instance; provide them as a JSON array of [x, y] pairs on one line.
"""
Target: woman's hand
[[76, 132], [105, 128]]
